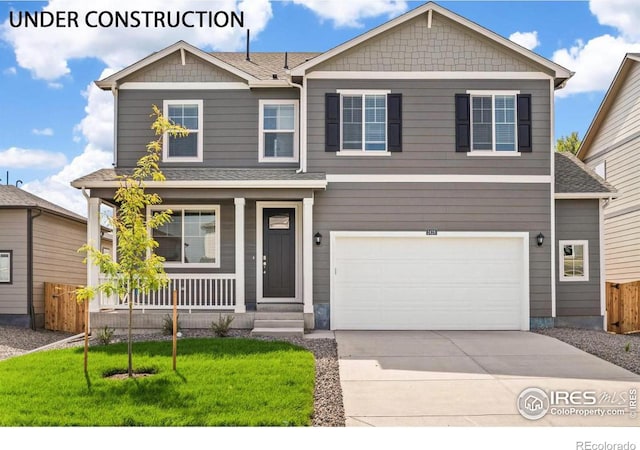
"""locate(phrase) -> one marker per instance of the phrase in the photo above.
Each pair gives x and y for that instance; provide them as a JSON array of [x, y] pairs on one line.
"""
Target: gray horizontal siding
[[55, 255], [578, 219], [428, 129], [13, 236], [230, 125], [445, 206]]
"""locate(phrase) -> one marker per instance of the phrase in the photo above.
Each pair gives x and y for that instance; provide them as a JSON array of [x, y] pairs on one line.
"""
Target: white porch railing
[[195, 291]]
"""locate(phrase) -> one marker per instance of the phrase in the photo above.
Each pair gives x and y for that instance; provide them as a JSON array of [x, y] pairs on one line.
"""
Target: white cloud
[[621, 14], [47, 51], [96, 128], [42, 131], [595, 63], [10, 71], [349, 13], [527, 39], [54, 85], [21, 158]]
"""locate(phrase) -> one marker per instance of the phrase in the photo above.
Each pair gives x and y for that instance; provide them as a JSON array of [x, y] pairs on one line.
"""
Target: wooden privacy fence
[[623, 305], [61, 310]]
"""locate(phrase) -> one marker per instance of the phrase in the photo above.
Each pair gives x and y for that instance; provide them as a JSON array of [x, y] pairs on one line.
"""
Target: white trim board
[[431, 75], [584, 195], [219, 184], [187, 85], [410, 178], [260, 206]]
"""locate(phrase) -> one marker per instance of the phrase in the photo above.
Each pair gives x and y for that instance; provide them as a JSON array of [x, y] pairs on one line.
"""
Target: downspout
[[114, 91], [303, 125], [30, 307]]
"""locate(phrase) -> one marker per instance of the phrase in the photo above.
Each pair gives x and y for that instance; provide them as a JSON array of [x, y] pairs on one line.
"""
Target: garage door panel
[[409, 283]]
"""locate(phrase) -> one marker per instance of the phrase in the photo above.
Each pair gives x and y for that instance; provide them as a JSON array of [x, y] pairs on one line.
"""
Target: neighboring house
[[611, 147], [401, 180], [39, 242]]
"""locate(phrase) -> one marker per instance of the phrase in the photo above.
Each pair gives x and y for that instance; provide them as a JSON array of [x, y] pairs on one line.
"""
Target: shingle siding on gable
[[170, 69], [428, 130], [412, 46]]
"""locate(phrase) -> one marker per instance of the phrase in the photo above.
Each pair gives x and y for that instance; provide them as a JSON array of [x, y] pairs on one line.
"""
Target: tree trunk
[[129, 346]]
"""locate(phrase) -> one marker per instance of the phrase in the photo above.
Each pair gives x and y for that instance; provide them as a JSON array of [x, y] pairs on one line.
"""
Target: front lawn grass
[[219, 382]]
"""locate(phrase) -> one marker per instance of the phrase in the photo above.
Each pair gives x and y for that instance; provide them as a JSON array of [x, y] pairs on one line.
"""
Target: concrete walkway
[[468, 378]]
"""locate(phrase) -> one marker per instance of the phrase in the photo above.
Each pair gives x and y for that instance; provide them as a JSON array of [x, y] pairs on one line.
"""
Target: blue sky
[[55, 126]]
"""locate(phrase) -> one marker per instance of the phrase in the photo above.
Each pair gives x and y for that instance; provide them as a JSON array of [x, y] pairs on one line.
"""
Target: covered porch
[[227, 249]]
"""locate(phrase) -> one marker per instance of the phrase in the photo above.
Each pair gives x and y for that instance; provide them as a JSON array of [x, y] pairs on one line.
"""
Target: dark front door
[[279, 253]]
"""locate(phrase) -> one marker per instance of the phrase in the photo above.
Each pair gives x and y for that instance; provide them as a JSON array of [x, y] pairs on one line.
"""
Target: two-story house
[[405, 179]]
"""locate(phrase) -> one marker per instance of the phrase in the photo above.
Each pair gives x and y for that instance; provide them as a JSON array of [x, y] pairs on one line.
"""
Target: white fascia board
[[560, 72], [217, 184], [410, 178], [159, 85], [431, 75], [584, 195], [112, 80], [269, 83]]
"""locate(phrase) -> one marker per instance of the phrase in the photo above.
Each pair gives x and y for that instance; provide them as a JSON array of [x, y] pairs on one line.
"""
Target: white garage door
[[410, 281]]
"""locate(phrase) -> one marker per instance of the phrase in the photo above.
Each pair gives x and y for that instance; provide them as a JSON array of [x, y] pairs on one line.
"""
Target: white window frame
[[200, 131], [363, 152], [175, 208], [585, 257], [493, 151], [296, 134], [8, 254]]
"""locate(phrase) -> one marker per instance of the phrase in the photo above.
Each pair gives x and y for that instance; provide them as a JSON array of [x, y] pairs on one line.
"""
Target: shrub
[[221, 327], [167, 325], [105, 335]]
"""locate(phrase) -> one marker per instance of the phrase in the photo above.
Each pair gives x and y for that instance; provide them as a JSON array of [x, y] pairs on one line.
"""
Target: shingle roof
[[573, 176], [13, 197], [201, 174], [264, 64]]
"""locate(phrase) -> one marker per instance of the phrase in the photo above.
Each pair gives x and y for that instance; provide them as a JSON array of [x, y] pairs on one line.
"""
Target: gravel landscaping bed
[[328, 407], [610, 347]]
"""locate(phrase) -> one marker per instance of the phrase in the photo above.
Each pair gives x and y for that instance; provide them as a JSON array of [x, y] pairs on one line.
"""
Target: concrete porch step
[[279, 307], [278, 332], [278, 323], [261, 315]]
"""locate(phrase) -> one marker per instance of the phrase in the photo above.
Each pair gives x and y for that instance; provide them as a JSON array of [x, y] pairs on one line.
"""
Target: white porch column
[[307, 254], [94, 239], [240, 301]]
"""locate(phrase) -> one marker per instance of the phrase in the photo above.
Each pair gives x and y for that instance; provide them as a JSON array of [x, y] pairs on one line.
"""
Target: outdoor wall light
[[318, 238], [540, 239]]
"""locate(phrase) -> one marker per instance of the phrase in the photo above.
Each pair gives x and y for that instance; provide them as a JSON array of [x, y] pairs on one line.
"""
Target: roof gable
[[14, 197], [628, 73], [560, 73], [572, 176], [182, 48]]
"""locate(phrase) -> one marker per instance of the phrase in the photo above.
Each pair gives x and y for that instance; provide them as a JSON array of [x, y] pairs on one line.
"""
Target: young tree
[[569, 143], [137, 267]]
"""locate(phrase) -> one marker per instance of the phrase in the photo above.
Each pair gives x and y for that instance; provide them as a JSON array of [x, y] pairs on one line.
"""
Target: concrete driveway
[[472, 378]]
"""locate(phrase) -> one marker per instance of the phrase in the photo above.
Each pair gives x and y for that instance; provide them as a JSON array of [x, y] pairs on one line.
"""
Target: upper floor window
[[574, 260], [493, 123], [187, 113], [364, 121], [191, 238], [278, 134]]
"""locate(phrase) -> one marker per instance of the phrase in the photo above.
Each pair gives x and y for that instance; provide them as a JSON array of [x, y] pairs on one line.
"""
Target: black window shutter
[[394, 122], [524, 123], [463, 123], [332, 122]]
